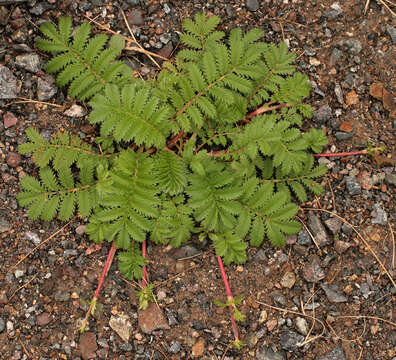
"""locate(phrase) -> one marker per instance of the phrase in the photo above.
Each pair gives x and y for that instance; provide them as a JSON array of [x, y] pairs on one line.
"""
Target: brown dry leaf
[[376, 90], [388, 100], [351, 98], [346, 126]]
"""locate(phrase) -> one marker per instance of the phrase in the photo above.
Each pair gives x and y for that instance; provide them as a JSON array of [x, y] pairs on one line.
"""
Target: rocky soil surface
[[324, 296]]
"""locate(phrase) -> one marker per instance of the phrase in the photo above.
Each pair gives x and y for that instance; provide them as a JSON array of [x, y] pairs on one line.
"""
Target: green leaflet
[[52, 195], [131, 263], [174, 223]]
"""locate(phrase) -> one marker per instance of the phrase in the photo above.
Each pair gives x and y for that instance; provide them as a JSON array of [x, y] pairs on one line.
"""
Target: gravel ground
[[340, 302]]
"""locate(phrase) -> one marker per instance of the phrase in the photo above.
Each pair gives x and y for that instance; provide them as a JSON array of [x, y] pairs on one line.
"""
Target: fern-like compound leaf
[[81, 62], [131, 114], [130, 204], [56, 194]]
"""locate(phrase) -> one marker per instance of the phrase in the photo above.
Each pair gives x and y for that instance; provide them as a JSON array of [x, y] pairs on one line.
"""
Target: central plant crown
[[183, 153]]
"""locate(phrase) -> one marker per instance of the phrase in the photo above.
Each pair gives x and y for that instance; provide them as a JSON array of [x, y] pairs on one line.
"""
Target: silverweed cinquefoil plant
[[213, 145]]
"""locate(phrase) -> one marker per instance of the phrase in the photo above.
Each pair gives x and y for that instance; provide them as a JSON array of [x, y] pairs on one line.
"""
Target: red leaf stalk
[[144, 254], [92, 305], [229, 297], [109, 260]]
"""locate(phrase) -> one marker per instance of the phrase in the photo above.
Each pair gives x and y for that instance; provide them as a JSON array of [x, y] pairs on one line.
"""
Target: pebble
[[80, 230], [175, 347], [266, 353], [75, 111], [392, 33], [378, 215], [126, 347], [19, 273], [9, 119], [318, 231], [288, 280], [199, 347], [4, 225], [354, 46], [335, 12], [43, 319], [69, 253], [166, 8], [334, 225], [135, 18], [260, 256], [352, 185], [279, 299], [39, 9], [152, 319], [33, 237], [335, 56], [333, 294], [346, 229], [62, 295], [251, 340], [88, 345], [290, 340], [341, 246], [2, 325], [391, 179], [185, 251], [46, 88], [304, 238], [165, 38], [8, 84], [365, 290], [103, 343], [10, 327], [133, 3], [263, 316], [252, 5], [166, 50], [302, 325], [343, 136], [29, 62], [338, 94], [313, 271], [121, 324], [3, 15], [322, 114], [231, 13], [335, 354]]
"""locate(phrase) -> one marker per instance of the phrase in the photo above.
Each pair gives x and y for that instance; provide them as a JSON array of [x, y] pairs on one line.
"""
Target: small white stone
[[302, 326], [75, 111]]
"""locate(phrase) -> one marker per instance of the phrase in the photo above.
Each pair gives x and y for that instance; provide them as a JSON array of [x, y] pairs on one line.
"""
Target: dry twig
[[311, 235], [134, 38], [131, 48], [42, 243]]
